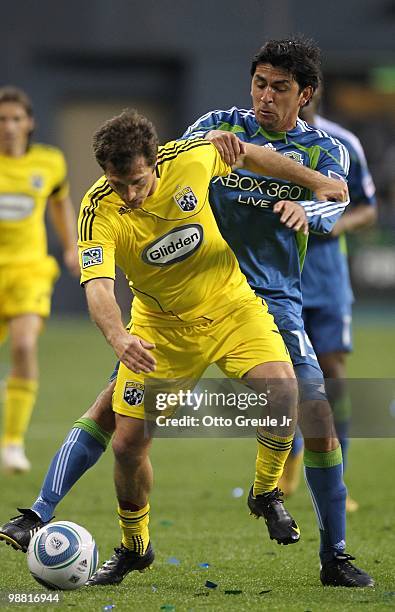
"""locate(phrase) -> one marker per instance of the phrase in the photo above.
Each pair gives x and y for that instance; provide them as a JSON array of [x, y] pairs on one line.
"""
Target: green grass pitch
[[194, 517]]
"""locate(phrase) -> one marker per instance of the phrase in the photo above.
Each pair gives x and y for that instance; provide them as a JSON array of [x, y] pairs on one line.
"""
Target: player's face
[[15, 128], [135, 186], [276, 98]]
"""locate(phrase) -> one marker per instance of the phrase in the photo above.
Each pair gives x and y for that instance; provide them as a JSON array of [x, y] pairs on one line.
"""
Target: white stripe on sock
[[62, 453], [61, 476], [317, 512]]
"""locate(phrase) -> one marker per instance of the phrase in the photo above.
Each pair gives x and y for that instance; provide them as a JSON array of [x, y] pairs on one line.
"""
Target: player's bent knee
[[321, 445], [24, 349], [271, 370], [130, 442], [101, 409], [125, 452], [316, 422]]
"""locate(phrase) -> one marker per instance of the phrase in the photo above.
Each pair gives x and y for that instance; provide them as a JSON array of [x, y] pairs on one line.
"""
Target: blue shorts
[[305, 363], [329, 329]]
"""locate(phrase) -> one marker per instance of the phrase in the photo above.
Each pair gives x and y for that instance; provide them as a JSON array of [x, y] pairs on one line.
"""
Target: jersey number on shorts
[[304, 344]]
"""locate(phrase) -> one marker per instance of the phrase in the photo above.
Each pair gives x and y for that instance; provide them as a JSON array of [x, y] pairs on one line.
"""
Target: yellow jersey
[[179, 267], [26, 183]]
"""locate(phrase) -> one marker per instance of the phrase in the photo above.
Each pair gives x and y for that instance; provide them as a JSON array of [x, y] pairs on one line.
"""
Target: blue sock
[[297, 444], [342, 435], [324, 476], [340, 401], [81, 449]]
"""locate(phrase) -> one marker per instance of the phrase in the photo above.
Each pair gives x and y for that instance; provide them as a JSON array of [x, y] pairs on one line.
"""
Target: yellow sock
[[19, 399], [134, 528], [272, 454]]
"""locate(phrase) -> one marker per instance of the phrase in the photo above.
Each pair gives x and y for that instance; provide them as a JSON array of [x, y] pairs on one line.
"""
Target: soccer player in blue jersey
[[326, 287], [265, 233], [265, 221]]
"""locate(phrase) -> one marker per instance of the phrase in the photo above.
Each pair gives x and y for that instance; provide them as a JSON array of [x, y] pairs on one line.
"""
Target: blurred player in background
[[30, 176], [131, 215], [326, 288]]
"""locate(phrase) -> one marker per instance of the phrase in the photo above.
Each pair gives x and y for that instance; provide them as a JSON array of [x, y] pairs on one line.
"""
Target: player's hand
[[293, 215], [227, 145], [331, 189], [134, 352], [70, 258]]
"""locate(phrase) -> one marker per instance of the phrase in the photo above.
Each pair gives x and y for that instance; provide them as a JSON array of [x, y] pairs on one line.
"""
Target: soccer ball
[[62, 556]]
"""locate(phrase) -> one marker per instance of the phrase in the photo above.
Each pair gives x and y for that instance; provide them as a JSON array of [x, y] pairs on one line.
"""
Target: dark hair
[[298, 56], [9, 93], [123, 138]]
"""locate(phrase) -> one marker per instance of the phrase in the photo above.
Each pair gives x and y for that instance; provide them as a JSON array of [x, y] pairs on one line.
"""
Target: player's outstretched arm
[[134, 352], [64, 220], [262, 160]]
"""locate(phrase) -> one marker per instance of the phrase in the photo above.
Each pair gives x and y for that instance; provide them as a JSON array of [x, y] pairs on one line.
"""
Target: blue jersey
[[325, 278], [271, 255]]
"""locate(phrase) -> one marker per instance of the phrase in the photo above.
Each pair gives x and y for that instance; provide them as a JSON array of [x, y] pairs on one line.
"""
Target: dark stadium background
[[174, 59]]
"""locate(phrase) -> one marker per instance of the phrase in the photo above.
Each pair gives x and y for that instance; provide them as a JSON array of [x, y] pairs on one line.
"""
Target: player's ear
[[306, 95]]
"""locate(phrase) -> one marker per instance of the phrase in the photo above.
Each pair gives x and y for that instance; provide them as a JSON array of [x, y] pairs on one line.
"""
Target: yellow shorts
[[26, 289], [236, 343]]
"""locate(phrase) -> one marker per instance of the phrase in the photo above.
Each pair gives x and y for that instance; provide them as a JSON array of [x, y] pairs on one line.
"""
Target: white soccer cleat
[[13, 459]]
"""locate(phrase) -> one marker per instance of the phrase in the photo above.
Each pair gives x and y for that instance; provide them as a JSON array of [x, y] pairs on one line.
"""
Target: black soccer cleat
[[340, 572], [121, 563], [20, 529], [280, 524]]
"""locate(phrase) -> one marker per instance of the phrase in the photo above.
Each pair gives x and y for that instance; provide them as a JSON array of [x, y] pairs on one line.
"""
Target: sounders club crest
[[295, 155], [186, 199]]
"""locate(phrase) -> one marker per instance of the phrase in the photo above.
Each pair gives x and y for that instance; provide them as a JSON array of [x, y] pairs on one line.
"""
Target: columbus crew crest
[[133, 393], [186, 199]]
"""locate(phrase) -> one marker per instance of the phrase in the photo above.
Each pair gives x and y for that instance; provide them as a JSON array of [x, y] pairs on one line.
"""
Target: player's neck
[[13, 149], [309, 117]]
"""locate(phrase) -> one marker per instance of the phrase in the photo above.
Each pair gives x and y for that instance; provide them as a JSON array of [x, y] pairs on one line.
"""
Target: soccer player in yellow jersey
[[150, 215], [30, 176]]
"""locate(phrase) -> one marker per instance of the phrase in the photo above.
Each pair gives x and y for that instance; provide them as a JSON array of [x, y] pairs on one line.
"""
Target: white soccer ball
[[62, 556]]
